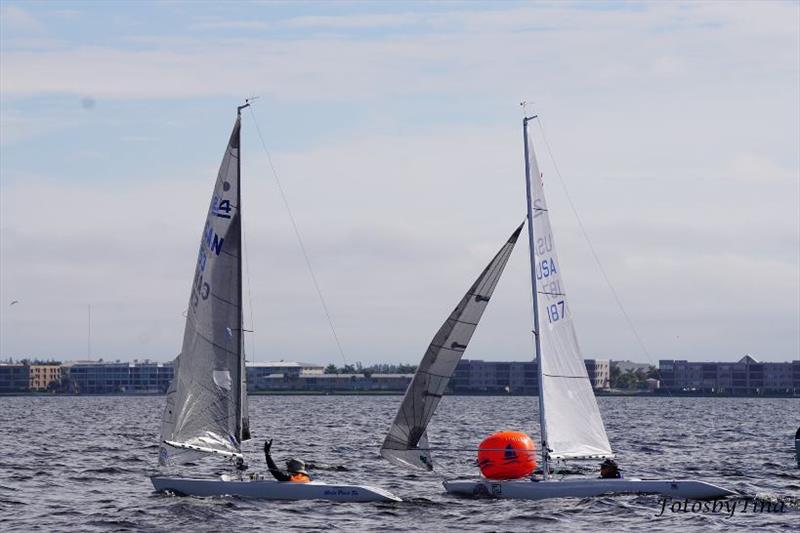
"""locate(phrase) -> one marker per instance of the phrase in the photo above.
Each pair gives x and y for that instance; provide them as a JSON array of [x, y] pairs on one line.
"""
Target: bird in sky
[[14, 302]]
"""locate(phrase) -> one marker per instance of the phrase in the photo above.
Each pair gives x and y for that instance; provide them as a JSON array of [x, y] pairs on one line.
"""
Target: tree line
[[383, 368], [632, 379]]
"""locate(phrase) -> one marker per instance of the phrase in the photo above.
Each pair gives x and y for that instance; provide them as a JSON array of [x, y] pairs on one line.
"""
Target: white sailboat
[[570, 421], [206, 410]]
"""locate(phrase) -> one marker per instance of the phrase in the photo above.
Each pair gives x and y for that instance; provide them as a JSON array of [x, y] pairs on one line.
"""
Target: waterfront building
[[331, 383], [746, 377], [14, 377], [474, 376], [599, 371], [260, 376], [477, 376], [99, 377], [44, 377], [630, 366]]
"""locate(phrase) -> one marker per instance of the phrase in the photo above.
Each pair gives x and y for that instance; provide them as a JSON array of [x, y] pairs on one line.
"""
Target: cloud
[[222, 24], [18, 21], [675, 127], [394, 247], [472, 52]]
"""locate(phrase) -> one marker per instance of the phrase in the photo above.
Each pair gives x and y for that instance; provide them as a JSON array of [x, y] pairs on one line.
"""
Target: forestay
[[574, 426], [206, 406], [407, 443]]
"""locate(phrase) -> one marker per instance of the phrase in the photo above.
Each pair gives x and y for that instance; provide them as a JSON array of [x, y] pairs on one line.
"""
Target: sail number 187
[[556, 311]]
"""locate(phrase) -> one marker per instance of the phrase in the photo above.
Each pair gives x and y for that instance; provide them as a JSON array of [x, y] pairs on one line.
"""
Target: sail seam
[[221, 299], [214, 344]]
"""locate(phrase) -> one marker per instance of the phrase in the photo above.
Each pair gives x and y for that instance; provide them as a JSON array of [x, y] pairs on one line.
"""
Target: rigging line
[[591, 246], [299, 238], [249, 297]]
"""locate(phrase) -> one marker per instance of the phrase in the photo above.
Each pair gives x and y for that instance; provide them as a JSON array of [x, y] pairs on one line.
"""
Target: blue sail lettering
[[212, 240], [544, 244], [546, 268], [208, 234], [217, 244], [201, 259]]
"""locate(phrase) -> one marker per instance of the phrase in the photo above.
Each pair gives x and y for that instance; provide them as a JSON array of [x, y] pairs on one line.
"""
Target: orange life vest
[[300, 478]]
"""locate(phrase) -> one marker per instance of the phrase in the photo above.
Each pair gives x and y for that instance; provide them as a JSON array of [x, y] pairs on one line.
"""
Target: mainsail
[[407, 443], [574, 427], [206, 403]]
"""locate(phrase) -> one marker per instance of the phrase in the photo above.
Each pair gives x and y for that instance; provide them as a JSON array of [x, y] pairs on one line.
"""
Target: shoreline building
[[331, 383], [14, 377], [746, 377], [522, 378], [100, 377], [44, 377], [263, 376]]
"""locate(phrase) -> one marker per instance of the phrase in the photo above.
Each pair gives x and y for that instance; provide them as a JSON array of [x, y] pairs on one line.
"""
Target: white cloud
[[472, 52], [675, 126], [17, 20]]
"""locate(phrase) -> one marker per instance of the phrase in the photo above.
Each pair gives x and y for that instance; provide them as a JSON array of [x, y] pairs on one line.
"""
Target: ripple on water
[[92, 477]]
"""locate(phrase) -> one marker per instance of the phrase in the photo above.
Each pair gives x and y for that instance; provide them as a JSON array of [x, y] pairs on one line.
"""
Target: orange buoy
[[507, 455]]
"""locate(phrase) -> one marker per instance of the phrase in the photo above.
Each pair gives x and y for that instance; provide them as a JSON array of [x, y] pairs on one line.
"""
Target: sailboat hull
[[272, 490], [583, 488]]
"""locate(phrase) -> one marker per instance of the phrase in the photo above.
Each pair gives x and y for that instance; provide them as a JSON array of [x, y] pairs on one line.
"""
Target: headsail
[[574, 426], [205, 408], [407, 444]]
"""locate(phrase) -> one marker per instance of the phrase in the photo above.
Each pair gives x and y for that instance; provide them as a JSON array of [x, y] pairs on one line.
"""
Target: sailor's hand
[[267, 445]]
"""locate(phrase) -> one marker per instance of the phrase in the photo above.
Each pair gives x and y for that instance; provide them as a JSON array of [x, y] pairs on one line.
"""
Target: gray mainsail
[[406, 443], [206, 407]]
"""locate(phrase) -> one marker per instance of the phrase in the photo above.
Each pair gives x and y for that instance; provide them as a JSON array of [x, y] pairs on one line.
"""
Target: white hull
[[272, 490], [582, 488]]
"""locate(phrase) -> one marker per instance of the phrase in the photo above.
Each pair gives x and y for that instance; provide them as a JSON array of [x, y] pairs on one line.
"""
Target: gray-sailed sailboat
[[206, 409], [570, 421], [406, 443]]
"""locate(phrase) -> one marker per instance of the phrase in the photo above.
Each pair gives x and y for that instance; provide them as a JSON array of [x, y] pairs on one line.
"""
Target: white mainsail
[[206, 404], [407, 443], [574, 427]]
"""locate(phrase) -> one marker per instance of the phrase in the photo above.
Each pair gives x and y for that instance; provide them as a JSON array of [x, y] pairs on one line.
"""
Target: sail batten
[[570, 414], [407, 443], [206, 409]]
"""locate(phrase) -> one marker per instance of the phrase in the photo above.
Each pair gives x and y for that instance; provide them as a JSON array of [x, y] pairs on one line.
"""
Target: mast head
[[524, 105], [247, 102]]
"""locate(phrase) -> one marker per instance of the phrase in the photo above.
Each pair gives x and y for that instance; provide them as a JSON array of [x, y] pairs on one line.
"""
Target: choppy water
[[81, 463]]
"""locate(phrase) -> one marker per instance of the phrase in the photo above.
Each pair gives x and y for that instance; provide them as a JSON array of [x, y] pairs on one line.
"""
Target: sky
[[395, 131]]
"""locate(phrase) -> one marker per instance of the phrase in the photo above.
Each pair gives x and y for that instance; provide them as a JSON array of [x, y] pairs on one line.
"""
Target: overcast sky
[[396, 132]]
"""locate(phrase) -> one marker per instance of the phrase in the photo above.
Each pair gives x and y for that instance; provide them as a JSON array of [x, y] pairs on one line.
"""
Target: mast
[[535, 293], [243, 432]]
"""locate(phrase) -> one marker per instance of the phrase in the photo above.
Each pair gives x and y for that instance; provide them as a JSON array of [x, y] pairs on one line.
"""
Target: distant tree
[[615, 374], [628, 380], [331, 369], [348, 369], [653, 372]]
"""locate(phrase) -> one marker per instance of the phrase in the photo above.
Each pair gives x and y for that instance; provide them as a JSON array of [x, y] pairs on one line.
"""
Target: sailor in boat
[[610, 470], [295, 468]]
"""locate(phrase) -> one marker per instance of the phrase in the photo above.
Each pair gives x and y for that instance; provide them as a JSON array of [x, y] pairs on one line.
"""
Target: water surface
[[81, 463]]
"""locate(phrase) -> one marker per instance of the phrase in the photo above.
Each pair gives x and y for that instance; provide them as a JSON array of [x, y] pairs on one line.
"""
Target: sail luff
[[535, 299], [406, 441], [243, 431]]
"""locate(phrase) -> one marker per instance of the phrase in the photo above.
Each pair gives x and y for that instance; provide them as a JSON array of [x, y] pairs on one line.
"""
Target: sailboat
[[569, 418], [206, 411]]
